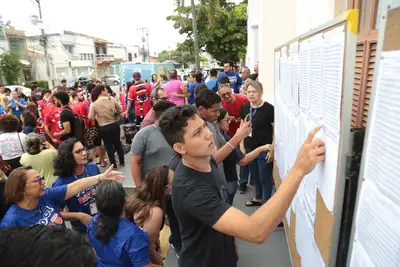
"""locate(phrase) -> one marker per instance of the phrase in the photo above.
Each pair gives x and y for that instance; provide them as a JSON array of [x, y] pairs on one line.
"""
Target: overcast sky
[[113, 20]]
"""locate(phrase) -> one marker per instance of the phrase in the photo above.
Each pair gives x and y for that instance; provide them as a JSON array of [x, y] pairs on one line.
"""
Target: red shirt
[[85, 105], [123, 102], [140, 94], [52, 119], [42, 106], [76, 108], [234, 111]]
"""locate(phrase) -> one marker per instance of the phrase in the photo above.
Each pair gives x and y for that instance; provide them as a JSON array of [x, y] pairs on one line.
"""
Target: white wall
[[279, 22], [119, 52]]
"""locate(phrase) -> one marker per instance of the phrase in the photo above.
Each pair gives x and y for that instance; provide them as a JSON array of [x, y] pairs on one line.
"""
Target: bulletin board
[[314, 85], [375, 239]]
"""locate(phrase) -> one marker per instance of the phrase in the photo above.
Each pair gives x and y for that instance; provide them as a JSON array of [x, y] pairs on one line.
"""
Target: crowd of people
[[191, 137]]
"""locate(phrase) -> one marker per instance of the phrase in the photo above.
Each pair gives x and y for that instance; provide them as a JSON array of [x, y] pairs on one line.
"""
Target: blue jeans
[[232, 188], [261, 171], [244, 175]]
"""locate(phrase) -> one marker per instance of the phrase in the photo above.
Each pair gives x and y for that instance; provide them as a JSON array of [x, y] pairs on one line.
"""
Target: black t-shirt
[[230, 162], [199, 200], [67, 115], [262, 120]]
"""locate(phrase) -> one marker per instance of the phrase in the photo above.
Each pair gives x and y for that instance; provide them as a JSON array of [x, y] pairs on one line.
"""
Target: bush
[[43, 84], [10, 67]]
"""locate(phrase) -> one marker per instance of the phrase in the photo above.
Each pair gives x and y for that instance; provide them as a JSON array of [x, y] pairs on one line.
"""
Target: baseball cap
[[136, 76]]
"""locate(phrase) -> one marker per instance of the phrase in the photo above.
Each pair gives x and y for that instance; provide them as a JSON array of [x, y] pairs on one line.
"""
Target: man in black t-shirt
[[207, 222], [67, 117]]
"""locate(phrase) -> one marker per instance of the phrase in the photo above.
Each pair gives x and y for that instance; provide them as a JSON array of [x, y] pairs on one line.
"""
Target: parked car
[[27, 91], [82, 79], [111, 79]]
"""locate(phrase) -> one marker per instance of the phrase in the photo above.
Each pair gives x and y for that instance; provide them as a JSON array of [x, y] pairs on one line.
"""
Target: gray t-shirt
[[150, 144], [219, 142]]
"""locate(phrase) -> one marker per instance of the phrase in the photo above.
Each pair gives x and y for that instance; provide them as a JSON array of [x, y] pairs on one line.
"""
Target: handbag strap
[[23, 150]]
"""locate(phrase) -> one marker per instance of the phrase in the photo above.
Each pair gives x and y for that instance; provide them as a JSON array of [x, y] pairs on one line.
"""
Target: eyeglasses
[[79, 151], [226, 95], [38, 179]]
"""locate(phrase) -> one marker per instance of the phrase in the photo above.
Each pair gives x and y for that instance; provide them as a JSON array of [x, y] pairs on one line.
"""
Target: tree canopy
[[10, 67], [222, 28]]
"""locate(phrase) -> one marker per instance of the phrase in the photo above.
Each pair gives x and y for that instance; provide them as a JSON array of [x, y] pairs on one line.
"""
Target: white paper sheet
[[304, 76], [332, 76], [304, 232], [377, 226], [383, 148], [359, 258], [315, 70]]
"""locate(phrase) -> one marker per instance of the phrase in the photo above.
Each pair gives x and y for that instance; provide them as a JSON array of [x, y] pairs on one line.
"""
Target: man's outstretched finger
[[317, 143], [312, 134]]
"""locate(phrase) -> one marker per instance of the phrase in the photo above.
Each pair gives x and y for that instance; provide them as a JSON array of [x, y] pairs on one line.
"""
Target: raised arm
[[81, 184], [258, 226]]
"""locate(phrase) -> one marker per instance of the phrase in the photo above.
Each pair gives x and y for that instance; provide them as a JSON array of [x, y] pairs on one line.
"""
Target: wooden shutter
[[358, 83], [370, 77]]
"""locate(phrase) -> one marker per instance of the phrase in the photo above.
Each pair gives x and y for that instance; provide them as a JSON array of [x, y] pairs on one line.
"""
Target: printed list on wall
[[308, 92]]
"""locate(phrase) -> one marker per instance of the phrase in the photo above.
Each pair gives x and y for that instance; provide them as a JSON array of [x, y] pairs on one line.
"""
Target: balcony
[[104, 57]]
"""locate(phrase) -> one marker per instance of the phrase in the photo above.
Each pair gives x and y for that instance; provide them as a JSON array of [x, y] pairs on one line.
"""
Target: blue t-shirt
[[46, 212], [235, 80], [81, 201], [2, 110], [17, 110], [211, 84], [129, 246], [191, 91]]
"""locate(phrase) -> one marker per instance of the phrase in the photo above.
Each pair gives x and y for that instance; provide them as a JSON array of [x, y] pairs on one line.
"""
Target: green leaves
[[10, 67], [221, 26]]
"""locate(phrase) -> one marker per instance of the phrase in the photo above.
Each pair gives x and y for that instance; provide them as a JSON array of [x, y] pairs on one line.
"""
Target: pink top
[[174, 86], [149, 119]]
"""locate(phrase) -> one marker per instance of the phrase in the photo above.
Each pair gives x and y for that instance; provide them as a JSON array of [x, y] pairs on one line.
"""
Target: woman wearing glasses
[[71, 164], [32, 203], [147, 206]]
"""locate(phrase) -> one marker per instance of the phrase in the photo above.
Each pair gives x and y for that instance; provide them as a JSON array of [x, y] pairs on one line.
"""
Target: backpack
[[79, 126]]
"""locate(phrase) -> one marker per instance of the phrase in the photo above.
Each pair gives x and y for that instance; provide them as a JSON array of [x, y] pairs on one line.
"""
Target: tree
[[224, 37], [10, 67], [207, 7], [184, 53]]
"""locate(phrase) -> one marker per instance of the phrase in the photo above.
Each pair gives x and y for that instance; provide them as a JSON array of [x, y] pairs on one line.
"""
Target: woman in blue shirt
[[33, 204], [116, 240], [71, 165], [194, 80], [17, 105]]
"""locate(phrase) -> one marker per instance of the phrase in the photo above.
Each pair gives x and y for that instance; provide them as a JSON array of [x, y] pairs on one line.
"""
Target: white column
[[276, 26]]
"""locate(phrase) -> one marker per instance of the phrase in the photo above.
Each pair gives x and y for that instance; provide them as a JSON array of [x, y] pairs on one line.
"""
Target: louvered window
[[358, 83], [370, 78]]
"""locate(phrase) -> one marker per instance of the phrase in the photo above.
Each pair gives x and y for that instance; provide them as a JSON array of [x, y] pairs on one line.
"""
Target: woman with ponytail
[[116, 240], [147, 207]]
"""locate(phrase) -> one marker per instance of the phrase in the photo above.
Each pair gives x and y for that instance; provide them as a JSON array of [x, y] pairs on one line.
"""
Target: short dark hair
[[49, 246], [63, 81], [64, 163], [197, 76], [207, 98], [74, 94], [222, 113], [45, 91], [200, 88], [214, 72], [63, 97], [224, 79], [173, 74], [9, 123], [253, 76], [15, 185], [161, 107], [230, 62], [110, 200], [7, 90], [173, 121]]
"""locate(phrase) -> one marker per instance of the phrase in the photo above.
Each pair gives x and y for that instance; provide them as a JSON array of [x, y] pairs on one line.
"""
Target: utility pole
[[144, 42], [43, 42], [195, 37]]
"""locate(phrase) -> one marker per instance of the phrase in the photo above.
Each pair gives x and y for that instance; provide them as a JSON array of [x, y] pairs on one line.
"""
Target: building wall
[[119, 52], [279, 22]]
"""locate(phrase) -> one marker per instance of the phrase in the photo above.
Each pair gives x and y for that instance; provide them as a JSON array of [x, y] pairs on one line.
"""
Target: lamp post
[[43, 42]]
